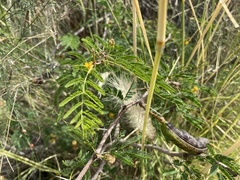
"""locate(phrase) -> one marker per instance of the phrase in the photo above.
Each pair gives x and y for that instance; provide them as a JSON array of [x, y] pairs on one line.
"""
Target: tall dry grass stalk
[[137, 8], [161, 31]]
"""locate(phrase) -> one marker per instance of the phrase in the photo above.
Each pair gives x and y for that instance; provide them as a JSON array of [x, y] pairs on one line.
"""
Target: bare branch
[[150, 146], [99, 170]]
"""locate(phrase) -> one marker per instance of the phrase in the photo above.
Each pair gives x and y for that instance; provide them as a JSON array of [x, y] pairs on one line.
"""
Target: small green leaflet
[[70, 111], [95, 86], [74, 82], [94, 98], [71, 97]]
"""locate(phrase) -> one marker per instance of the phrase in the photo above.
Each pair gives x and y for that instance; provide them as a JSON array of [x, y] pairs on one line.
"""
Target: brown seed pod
[[195, 144]]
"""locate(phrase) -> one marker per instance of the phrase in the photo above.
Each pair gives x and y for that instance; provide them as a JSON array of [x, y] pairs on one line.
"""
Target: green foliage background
[[54, 111]]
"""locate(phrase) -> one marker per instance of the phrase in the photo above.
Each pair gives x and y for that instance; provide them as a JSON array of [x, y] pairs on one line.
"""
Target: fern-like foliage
[[70, 41], [80, 82], [227, 166], [85, 105]]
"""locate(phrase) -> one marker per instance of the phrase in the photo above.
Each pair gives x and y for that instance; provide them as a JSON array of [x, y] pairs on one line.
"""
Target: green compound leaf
[[226, 173], [88, 43], [88, 124], [70, 41], [142, 71], [96, 75], [227, 165]]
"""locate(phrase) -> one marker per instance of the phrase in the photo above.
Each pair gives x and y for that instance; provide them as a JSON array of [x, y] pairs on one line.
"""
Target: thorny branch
[[99, 170]]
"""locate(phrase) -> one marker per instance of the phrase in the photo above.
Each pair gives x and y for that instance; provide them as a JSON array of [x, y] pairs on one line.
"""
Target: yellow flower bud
[[88, 64], [195, 89]]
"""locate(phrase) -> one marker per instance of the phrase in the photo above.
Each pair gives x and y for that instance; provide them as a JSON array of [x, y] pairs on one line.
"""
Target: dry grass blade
[[214, 15], [134, 29], [223, 3], [135, 3], [28, 161]]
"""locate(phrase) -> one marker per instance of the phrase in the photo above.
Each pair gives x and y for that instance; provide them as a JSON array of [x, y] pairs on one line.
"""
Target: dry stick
[[103, 150], [99, 170], [150, 146], [105, 136]]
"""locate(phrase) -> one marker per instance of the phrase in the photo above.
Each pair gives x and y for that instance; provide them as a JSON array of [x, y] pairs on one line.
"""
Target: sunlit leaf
[[71, 97], [94, 98], [73, 108], [77, 81]]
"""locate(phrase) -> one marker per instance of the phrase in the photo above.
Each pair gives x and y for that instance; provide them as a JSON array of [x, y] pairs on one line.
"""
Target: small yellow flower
[[24, 131], [31, 145], [195, 89], [110, 159], [53, 139], [111, 115], [88, 64], [186, 42], [74, 145], [111, 42]]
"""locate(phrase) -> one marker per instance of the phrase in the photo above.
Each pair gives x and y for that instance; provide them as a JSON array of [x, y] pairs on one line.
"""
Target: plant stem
[[161, 31], [162, 17], [183, 32], [136, 4], [134, 30]]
